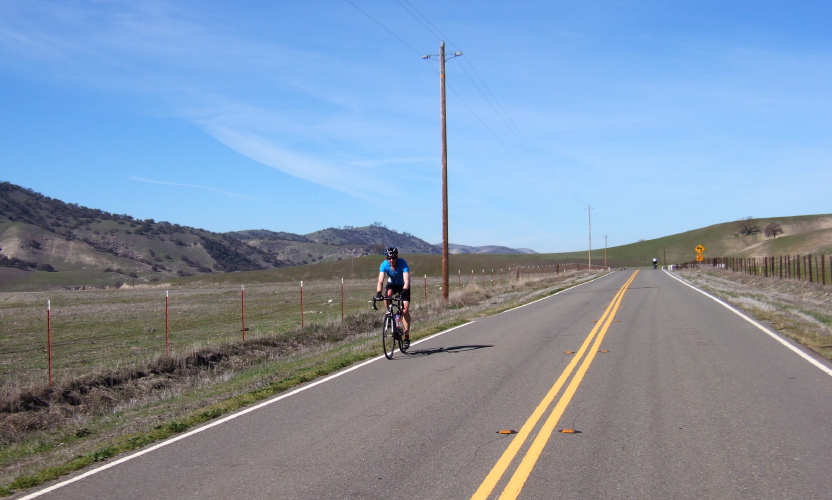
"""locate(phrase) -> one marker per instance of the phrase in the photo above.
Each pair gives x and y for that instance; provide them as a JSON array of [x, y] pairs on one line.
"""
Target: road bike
[[391, 328]]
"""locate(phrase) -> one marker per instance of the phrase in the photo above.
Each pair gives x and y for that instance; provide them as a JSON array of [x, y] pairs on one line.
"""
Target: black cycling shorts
[[400, 289]]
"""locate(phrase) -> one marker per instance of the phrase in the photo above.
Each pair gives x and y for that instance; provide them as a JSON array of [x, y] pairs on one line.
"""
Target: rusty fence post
[[49, 339], [167, 322]]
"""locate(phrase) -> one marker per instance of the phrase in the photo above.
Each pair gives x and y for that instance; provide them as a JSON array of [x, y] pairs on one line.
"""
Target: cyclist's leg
[[406, 313], [388, 292], [391, 290], [406, 318]]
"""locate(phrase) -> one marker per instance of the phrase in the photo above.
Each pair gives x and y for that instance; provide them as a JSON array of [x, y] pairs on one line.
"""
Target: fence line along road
[[811, 268], [82, 331]]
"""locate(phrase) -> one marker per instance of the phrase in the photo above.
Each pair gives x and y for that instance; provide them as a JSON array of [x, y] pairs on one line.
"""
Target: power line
[[421, 19], [385, 28], [489, 97]]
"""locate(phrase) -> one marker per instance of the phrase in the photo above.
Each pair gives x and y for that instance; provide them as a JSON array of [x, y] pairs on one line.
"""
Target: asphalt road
[[669, 395]]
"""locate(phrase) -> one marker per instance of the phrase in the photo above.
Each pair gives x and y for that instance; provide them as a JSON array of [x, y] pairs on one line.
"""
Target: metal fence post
[[167, 322], [49, 339]]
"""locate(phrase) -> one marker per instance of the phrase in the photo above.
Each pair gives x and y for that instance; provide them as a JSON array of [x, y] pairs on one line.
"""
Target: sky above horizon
[[662, 117]]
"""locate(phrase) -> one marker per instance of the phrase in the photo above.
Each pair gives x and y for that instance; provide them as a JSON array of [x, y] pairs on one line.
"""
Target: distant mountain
[[38, 233], [332, 244], [459, 249]]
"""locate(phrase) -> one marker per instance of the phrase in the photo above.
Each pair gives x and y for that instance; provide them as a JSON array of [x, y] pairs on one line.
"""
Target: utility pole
[[589, 214], [445, 279], [605, 251], [445, 259]]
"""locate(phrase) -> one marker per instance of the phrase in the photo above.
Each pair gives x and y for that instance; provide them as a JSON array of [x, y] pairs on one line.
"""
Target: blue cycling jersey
[[396, 276]]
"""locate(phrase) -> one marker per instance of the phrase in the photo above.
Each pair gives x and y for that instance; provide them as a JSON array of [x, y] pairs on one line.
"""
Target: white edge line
[[260, 405], [222, 420], [772, 334]]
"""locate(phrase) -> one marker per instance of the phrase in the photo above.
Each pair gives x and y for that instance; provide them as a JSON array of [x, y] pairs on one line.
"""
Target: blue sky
[[298, 116]]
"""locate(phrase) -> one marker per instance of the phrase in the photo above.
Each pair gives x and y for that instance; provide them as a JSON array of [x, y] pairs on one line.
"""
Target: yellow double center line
[[521, 474]]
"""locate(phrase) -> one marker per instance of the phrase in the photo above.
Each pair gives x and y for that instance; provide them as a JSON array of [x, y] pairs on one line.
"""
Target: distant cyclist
[[398, 281]]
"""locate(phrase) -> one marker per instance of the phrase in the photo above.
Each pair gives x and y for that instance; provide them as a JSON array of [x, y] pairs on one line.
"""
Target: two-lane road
[[672, 395]]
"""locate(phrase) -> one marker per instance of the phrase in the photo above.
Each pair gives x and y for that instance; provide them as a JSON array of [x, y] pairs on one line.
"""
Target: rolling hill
[[47, 241]]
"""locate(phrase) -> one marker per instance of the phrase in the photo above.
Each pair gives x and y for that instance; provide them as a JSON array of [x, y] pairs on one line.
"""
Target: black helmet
[[392, 252]]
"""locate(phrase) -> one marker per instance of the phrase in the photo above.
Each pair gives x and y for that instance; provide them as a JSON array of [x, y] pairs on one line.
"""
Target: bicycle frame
[[394, 308], [394, 305]]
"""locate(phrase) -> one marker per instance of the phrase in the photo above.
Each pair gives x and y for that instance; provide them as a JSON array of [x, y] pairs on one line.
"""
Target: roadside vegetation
[[48, 431], [799, 310]]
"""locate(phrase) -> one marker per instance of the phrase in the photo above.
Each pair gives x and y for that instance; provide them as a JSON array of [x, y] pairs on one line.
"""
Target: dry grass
[[118, 405], [797, 309], [103, 330]]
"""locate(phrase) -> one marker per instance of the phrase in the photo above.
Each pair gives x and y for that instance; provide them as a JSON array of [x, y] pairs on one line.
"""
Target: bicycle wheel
[[402, 346], [387, 340]]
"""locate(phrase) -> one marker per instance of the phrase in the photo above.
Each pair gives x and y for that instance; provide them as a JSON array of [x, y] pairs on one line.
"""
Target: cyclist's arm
[[380, 284], [406, 277]]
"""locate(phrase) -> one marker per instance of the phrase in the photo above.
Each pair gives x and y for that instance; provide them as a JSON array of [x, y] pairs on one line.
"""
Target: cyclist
[[398, 281]]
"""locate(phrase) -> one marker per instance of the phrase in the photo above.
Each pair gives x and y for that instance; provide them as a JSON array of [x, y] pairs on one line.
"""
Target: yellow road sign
[[700, 257], [700, 249]]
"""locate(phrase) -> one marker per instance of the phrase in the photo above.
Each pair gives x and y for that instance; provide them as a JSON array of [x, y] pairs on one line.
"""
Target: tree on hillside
[[773, 229], [748, 228]]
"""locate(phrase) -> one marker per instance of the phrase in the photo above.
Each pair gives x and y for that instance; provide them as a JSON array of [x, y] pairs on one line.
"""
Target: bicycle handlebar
[[396, 297]]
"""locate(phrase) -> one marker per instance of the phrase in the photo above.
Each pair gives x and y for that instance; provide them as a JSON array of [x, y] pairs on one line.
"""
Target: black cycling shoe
[[406, 342]]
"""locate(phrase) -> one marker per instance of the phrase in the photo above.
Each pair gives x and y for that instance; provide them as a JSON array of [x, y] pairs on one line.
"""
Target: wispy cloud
[[274, 110], [195, 186], [309, 168], [390, 161]]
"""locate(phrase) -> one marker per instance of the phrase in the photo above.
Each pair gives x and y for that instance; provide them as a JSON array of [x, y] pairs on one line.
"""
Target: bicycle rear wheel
[[387, 340]]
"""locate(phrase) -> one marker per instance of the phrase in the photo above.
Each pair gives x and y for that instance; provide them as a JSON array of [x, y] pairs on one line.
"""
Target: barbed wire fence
[[46, 336], [810, 268]]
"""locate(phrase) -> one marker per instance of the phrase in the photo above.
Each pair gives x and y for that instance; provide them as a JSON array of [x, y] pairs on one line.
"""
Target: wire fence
[[59, 335], [811, 268]]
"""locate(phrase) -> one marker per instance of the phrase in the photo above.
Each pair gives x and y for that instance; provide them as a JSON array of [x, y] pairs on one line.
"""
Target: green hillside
[[46, 243], [808, 234], [801, 235]]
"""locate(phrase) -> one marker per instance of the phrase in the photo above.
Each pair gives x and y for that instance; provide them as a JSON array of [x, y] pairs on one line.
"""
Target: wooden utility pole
[[445, 279]]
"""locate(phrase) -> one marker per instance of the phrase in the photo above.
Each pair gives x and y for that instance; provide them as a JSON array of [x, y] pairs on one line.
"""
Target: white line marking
[[223, 420], [772, 334]]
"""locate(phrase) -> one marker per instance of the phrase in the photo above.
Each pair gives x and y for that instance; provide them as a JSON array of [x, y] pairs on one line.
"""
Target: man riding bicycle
[[398, 281]]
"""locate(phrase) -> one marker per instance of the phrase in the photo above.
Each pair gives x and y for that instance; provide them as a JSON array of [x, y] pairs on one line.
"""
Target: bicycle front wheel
[[387, 340]]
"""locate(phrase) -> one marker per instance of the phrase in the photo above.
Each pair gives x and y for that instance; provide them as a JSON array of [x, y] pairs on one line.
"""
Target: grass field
[[104, 329]]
